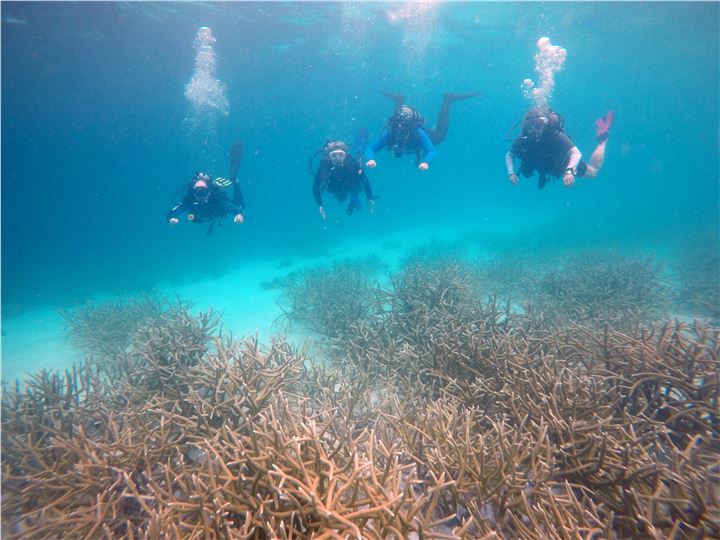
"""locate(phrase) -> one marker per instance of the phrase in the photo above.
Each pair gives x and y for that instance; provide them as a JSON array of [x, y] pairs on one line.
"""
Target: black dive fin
[[236, 154]]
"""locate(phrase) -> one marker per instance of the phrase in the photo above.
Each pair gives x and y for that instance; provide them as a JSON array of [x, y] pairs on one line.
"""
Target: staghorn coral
[[329, 298], [441, 415], [697, 270], [429, 321], [103, 329], [597, 288], [121, 466]]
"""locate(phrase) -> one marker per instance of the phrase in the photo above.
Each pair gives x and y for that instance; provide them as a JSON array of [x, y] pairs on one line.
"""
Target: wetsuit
[[216, 207], [549, 156], [347, 179], [413, 141]]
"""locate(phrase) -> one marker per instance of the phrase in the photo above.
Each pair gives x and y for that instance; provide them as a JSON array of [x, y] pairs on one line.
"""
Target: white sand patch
[[36, 339]]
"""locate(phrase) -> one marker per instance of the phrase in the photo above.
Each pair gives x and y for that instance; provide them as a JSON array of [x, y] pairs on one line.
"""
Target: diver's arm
[[174, 213], [427, 146], [574, 157], [230, 207], [317, 192], [238, 196], [510, 163], [378, 144], [179, 209]]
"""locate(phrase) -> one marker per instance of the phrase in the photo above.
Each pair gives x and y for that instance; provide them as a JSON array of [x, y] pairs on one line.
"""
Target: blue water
[[94, 143]]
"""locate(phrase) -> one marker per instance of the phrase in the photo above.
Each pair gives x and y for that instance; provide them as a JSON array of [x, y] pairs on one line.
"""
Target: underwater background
[[98, 137], [474, 360]]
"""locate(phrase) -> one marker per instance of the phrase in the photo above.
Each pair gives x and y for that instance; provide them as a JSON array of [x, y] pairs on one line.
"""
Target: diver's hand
[[239, 218], [173, 221], [322, 213], [423, 166], [371, 163], [513, 178], [371, 206], [568, 179]]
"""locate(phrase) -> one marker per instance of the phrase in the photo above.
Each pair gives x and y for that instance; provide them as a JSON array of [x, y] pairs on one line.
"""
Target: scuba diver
[[405, 133], [545, 147], [206, 202], [342, 175]]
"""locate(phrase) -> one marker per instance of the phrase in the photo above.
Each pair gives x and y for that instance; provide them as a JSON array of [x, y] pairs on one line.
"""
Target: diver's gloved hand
[[371, 163], [322, 213], [173, 221], [513, 178], [239, 218], [423, 166], [371, 206]]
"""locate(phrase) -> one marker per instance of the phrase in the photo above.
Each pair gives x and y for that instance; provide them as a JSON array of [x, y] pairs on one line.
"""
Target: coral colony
[[439, 411]]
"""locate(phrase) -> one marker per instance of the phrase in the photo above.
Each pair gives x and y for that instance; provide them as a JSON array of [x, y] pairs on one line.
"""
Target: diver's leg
[[235, 154], [596, 161], [592, 169], [598, 156], [397, 99], [438, 134], [354, 203]]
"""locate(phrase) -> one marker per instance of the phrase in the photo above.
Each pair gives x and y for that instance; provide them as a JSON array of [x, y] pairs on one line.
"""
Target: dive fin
[[603, 126], [457, 96], [236, 154], [397, 99]]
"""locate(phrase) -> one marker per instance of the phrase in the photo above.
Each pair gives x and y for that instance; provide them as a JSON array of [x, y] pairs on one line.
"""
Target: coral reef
[[698, 274], [602, 288], [441, 413], [329, 298], [103, 329]]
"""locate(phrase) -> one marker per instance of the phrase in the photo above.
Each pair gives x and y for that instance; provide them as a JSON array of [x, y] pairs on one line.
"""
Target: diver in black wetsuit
[[205, 202], [405, 132], [340, 173], [544, 147]]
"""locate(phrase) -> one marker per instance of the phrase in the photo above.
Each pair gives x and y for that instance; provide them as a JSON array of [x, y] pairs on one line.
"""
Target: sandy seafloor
[[36, 339]]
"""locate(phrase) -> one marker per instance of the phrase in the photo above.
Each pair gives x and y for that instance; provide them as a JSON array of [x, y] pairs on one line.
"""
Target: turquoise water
[[96, 139]]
